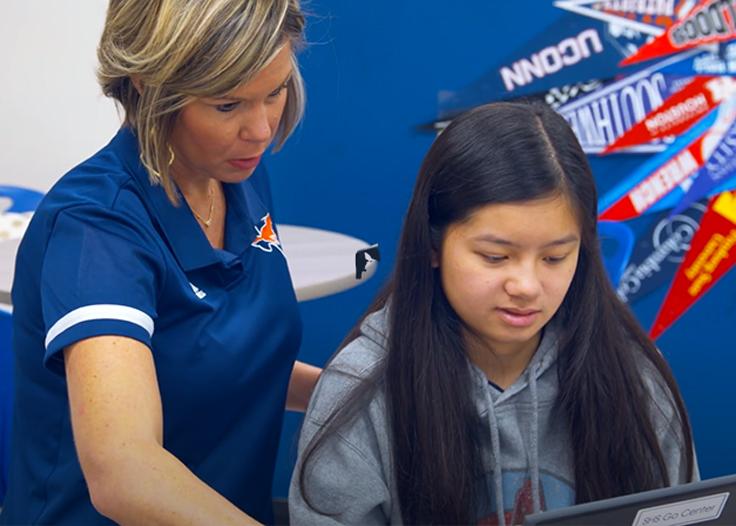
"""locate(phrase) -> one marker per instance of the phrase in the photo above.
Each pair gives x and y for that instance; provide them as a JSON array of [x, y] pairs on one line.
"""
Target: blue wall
[[373, 72]]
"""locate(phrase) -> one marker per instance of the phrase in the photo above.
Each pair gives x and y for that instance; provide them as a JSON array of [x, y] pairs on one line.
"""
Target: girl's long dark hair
[[504, 153]]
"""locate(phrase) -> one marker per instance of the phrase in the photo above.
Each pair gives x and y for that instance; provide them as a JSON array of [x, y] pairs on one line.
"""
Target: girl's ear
[[435, 259]]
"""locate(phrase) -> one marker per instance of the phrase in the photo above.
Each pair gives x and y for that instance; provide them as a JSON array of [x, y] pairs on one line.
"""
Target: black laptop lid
[[706, 502]]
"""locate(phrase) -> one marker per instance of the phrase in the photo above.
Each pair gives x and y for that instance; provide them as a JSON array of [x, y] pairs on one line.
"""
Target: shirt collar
[[180, 228]]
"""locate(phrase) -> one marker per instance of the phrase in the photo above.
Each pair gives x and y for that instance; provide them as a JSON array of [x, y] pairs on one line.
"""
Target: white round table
[[8, 248], [321, 262]]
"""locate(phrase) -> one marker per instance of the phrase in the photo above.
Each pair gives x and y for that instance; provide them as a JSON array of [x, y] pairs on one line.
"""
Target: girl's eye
[[227, 107], [494, 258], [554, 259]]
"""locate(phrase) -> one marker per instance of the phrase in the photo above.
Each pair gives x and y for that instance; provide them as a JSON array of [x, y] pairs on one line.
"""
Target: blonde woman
[[155, 323]]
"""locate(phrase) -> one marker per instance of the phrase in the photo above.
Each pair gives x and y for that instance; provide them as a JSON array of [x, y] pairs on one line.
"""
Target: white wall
[[52, 112]]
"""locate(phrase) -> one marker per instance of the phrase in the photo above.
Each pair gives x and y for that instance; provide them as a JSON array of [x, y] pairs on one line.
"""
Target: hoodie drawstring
[[534, 446], [496, 446]]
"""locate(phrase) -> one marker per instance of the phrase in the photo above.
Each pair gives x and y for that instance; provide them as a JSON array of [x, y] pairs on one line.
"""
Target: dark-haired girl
[[497, 374]]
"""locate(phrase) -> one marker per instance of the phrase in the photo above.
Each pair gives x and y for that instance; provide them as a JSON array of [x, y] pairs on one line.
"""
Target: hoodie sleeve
[[344, 479], [667, 425]]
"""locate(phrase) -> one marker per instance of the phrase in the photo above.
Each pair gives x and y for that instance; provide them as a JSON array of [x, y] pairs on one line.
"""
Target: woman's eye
[[275, 93], [554, 259], [227, 107]]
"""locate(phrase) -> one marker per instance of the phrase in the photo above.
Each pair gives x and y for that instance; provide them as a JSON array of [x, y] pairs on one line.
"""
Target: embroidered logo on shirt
[[197, 291], [266, 238]]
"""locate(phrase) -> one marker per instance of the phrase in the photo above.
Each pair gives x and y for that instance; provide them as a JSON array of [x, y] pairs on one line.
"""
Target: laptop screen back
[[707, 502]]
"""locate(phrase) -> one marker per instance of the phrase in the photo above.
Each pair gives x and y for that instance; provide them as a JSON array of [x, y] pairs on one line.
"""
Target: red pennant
[[678, 112], [712, 254], [711, 21], [658, 184]]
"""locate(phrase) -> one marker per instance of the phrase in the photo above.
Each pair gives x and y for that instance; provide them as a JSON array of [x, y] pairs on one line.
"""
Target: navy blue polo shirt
[[107, 254]]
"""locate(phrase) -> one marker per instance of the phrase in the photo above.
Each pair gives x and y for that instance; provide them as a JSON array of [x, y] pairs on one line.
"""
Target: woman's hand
[[117, 423]]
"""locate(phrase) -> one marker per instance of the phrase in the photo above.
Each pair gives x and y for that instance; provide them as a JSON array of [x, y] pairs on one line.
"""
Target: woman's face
[[506, 270], [224, 138]]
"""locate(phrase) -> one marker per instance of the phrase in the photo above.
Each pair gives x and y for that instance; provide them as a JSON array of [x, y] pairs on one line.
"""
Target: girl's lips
[[518, 318], [245, 164]]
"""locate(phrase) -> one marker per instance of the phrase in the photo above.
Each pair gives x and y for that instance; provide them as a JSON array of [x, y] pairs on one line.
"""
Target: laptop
[[705, 502]]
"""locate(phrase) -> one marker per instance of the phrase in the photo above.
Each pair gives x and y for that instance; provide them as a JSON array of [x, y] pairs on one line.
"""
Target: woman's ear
[[435, 259]]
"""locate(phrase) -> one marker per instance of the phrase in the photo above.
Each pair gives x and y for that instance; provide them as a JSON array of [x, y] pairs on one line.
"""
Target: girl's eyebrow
[[490, 238]]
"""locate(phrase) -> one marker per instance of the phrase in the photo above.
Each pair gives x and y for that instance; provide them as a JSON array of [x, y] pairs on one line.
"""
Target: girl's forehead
[[554, 206], [548, 218]]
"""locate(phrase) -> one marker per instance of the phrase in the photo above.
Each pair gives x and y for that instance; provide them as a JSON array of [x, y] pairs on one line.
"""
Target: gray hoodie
[[352, 475]]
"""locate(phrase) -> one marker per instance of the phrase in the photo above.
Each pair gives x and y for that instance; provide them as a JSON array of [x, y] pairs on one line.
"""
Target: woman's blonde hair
[[181, 49]]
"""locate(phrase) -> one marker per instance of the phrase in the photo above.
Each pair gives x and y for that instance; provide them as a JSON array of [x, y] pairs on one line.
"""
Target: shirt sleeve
[[100, 276], [344, 479]]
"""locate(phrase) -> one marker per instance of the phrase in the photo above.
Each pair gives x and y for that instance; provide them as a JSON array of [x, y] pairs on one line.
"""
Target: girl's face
[[507, 268], [224, 138]]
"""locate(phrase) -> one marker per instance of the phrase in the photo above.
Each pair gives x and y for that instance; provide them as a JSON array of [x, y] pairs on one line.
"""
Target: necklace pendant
[[206, 222]]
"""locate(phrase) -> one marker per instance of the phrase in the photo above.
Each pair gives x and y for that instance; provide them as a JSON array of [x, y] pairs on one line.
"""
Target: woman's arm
[[301, 384], [118, 432]]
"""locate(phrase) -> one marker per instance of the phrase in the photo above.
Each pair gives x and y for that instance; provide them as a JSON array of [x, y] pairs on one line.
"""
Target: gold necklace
[[206, 222]]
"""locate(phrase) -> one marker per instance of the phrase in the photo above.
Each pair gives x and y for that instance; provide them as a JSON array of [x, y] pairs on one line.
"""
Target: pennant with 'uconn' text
[[711, 255]]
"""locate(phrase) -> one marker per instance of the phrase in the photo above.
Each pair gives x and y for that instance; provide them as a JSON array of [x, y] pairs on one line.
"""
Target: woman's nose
[[256, 126]]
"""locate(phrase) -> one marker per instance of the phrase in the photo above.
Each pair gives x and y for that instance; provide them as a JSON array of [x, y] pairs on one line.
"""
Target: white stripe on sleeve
[[100, 312]]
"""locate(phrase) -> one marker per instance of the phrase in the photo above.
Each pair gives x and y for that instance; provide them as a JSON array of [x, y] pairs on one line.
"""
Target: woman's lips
[[518, 317], [246, 163]]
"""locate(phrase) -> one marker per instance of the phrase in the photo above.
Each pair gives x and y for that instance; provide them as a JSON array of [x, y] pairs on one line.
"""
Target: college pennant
[[658, 183], [711, 255], [672, 169], [649, 17], [554, 97], [658, 253], [601, 117], [719, 167], [709, 22], [706, 62], [680, 111]]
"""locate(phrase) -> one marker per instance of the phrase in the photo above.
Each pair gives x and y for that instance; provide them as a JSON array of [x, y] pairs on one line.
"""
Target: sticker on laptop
[[689, 511]]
